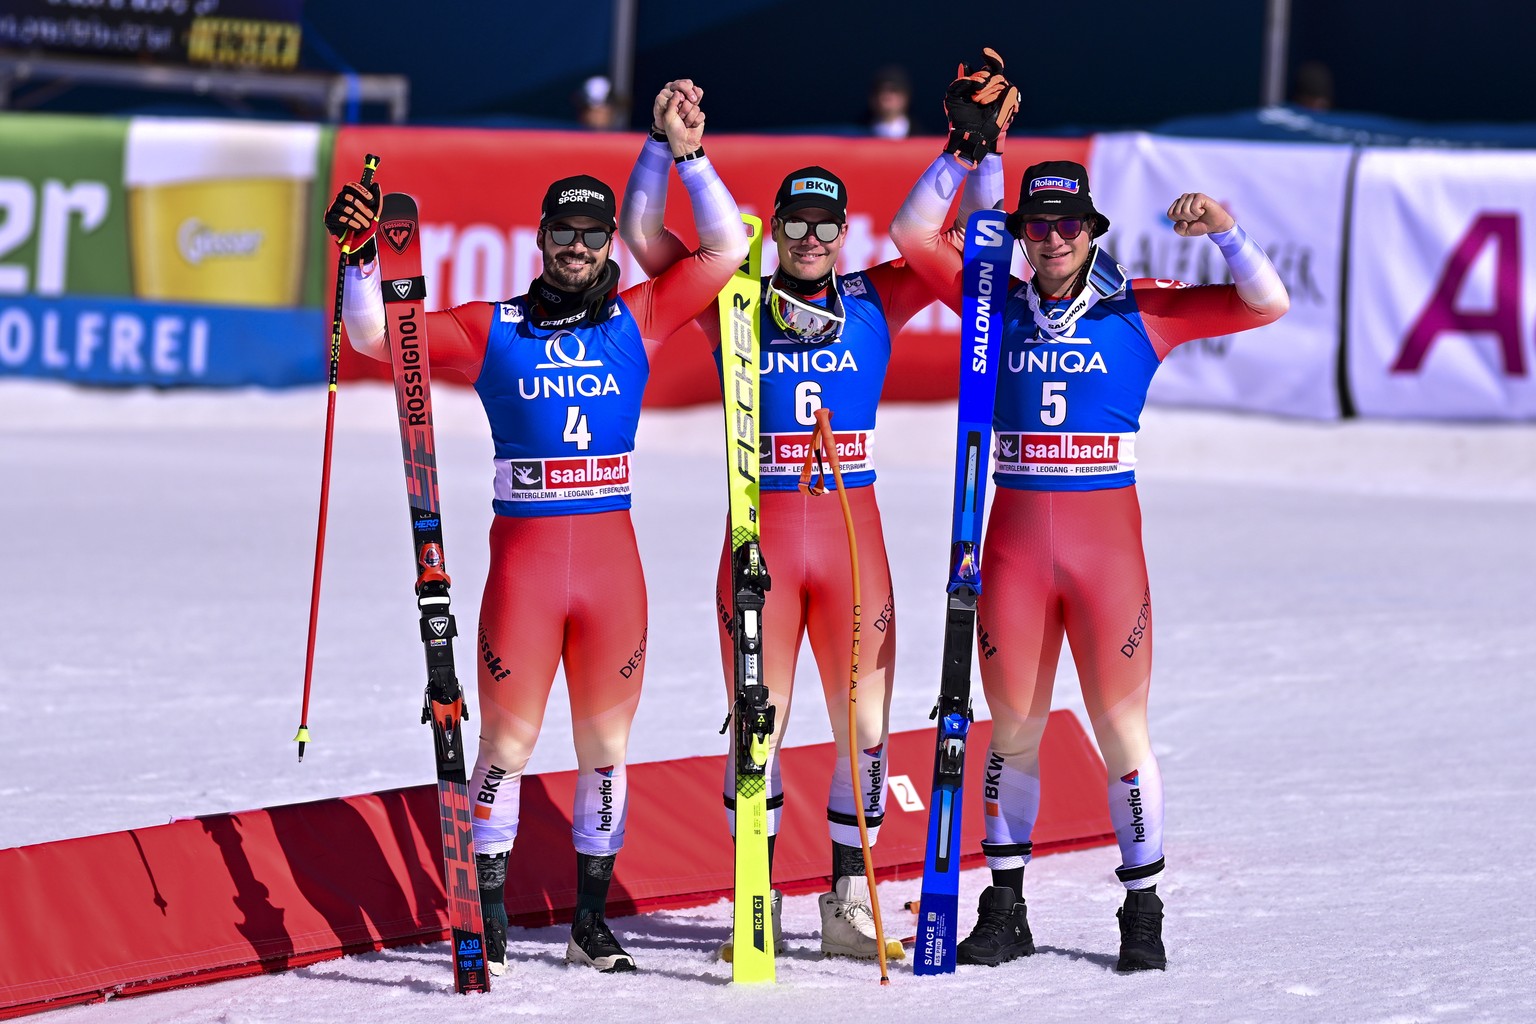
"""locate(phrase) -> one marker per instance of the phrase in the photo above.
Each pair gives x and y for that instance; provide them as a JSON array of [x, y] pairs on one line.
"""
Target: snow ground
[[1341, 706]]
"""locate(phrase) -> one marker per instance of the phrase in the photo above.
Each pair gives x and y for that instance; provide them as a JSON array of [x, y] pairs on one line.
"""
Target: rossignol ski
[[751, 714], [405, 319], [987, 255]]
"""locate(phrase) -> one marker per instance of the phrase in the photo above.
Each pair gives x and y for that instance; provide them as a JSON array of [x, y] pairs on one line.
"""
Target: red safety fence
[[229, 895]]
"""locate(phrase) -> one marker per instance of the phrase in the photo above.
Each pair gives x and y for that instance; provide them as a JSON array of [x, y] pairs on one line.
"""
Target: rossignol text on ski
[[443, 706]]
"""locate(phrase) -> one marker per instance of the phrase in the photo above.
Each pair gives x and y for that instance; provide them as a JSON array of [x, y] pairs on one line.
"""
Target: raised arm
[[919, 229], [1255, 297], [642, 220], [981, 105], [455, 338], [983, 190], [904, 286], [685, 283]]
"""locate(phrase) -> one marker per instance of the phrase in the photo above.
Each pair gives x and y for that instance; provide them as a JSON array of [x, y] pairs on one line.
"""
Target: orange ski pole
[[824, 444]]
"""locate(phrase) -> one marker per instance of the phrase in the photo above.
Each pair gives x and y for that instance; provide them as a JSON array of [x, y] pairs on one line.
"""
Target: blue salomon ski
[[987, 253]]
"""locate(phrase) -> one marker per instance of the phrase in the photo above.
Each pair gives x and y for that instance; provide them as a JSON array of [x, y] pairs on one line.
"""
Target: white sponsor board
[[1290, 198], [1442, 292]]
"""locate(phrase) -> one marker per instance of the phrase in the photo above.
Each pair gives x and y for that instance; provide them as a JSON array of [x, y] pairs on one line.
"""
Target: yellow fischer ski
[[752, 715]]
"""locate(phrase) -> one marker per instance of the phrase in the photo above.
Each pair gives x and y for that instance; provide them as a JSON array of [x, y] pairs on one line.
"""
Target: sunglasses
[[592, 238], [826, 230], [1068, 228]]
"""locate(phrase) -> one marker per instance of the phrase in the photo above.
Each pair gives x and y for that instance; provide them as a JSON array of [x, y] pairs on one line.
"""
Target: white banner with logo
[[1290, 198], [1443, 285]]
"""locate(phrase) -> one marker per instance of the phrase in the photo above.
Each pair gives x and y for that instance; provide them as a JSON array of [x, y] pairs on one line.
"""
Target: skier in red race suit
[[560, 371], [1063, 554], [826, 342]]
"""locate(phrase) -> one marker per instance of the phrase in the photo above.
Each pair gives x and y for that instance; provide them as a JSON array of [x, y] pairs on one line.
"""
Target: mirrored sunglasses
[[592, 238], [826, 230], [1067, 227]]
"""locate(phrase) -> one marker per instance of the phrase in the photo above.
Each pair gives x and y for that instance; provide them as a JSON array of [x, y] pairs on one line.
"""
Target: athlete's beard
[[574, 279]]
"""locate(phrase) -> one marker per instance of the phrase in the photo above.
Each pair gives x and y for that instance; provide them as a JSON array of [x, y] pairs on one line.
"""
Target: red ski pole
[[370, 164]]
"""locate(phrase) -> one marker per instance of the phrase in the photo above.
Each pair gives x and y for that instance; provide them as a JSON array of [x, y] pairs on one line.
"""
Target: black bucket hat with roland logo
[[1055, 188]]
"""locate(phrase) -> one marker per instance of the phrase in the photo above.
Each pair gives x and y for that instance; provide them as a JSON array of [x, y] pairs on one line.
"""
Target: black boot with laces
[[1001, 933], [1141, 932], [592, 943]]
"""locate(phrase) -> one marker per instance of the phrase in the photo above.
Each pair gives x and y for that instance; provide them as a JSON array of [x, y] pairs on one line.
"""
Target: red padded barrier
[[258, 891]]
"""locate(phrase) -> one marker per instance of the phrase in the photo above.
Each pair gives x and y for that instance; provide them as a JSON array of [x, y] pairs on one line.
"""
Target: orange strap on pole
[[824, 446]]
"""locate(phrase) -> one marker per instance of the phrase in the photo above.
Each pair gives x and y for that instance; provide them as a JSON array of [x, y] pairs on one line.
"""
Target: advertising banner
[[219, 209], [63, 221], [241, 33], [479, 193], [1443, 285], [158, 251], [1290, 198], [119, 341]]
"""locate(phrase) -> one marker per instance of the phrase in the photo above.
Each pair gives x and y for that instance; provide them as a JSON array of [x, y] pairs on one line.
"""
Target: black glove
[[353, 218], [980, 105]]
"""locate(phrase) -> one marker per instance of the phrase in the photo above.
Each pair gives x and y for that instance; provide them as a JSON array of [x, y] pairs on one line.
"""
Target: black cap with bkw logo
[[812, 187], [579, 196]]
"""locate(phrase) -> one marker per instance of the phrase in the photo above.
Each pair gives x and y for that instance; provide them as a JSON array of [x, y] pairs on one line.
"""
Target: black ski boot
[[1141, 932], [495, 924], [592, 943], [1001, 933], [491, 869]]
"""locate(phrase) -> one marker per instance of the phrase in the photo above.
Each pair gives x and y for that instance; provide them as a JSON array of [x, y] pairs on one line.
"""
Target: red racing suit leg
[[805, 545], [560, 588], [1069, 564]]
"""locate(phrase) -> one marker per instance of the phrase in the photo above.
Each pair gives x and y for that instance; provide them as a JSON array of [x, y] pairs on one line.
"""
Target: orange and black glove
[[980, 104], [353, 218]]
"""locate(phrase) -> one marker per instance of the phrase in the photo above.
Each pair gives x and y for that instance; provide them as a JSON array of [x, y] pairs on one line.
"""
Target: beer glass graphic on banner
[[217, 210]]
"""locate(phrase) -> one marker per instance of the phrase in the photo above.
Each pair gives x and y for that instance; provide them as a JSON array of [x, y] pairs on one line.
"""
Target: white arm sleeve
[[641, 219], [715, 215], [983, 188], [1258, 283], [929, 201], [362, 310]]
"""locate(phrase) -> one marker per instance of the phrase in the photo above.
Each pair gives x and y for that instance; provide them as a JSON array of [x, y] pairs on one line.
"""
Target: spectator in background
[[890, 92], [1313, 86], [594, 104]]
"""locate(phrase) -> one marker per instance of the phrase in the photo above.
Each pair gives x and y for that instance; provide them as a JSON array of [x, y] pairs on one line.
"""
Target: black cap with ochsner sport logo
[[579, 196], [811, 188]]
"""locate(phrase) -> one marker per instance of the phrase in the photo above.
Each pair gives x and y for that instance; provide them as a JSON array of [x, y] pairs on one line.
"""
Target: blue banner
[[120, 341]]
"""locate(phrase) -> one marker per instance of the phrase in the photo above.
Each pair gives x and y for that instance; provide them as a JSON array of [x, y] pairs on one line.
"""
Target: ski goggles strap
[[804, 320], [1106, 279]]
